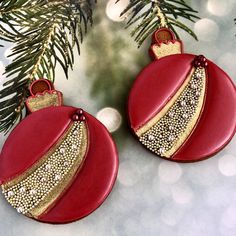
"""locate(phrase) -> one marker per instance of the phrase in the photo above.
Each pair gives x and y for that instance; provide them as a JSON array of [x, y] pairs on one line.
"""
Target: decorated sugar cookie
[[60, 163], [182, 107]]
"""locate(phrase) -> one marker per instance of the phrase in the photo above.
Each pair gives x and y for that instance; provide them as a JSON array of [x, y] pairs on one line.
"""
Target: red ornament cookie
[[59, 164], [182, 107]]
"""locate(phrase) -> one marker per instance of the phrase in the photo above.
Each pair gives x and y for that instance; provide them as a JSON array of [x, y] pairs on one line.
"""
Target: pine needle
[[44, 33], [149, 15]]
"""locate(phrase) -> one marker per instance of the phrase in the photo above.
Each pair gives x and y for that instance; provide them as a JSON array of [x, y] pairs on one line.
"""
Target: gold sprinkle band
[[35, 191], [166, 132]]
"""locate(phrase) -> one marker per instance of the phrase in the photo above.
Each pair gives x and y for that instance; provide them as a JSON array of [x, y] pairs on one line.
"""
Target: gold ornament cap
[[43, 95], [164, 43]]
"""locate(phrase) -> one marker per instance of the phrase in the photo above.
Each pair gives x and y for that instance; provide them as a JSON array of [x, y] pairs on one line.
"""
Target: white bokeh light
[[113, 9], [169, 172], [206, 29], [228, 218], [182, 194], [219, 7], [227, 165], [127, 175], [171, 214], [110, 117]]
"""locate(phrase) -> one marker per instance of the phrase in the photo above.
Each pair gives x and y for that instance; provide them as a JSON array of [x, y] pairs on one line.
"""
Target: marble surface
[[151, 196]]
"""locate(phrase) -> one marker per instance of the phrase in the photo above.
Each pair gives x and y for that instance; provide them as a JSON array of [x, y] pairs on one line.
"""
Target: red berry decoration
[[82, 118], [65, 161], [182, 107], [75, 117], [80, 112]]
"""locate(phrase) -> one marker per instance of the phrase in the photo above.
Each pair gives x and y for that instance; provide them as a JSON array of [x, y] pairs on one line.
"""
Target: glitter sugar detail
[[47, 99], [44, 184], [164, 49], [168, 130]]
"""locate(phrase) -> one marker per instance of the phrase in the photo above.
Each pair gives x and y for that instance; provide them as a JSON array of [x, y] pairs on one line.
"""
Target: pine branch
[[235, 21], [44, 33], [148, 15]]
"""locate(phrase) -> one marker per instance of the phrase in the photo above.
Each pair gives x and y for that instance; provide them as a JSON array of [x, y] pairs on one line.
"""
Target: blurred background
[[151, 196]]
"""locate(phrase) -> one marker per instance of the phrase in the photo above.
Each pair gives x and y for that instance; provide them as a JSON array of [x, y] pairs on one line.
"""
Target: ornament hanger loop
[[39, 86]]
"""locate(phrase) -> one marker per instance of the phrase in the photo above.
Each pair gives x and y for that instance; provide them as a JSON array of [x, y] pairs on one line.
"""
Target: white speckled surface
[[151, 196]]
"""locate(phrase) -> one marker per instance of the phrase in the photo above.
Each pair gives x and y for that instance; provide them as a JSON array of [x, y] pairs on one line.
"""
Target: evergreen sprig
[[153, 14], [44, 33], [235, 21]]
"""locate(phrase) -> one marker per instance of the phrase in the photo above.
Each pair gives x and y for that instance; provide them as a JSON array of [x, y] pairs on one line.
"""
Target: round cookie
[[58, 165], [183, 109]]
